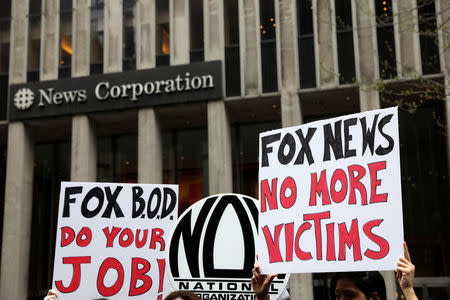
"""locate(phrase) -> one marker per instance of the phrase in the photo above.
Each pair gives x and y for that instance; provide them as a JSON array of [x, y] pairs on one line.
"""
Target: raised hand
[[261, 282], [51, 295], [405, 274]]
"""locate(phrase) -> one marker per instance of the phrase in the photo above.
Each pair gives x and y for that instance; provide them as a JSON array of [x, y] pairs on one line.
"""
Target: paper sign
[[330, 195], [111, 240], [211, 251]]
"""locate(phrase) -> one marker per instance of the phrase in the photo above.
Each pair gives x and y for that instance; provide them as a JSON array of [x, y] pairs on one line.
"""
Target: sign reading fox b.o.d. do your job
[[330, 195], [111, 240]]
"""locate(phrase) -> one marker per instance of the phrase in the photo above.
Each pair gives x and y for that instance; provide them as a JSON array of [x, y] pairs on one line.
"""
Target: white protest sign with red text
[[111, 240], [330, 195]]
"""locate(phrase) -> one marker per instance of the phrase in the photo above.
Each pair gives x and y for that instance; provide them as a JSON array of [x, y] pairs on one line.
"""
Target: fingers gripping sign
[[51, 295], [261, 282], [405, 274]]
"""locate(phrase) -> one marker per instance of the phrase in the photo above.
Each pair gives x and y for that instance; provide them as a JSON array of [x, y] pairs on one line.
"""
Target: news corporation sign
[[211, 249], [115, 91]]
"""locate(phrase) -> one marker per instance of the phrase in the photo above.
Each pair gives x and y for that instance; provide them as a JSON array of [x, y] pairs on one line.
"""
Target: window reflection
[[117, 159], [245, 156], [268, 46], [385, 38], [429, 44], [34, 39], [306, 53], [3, 151], [65, 32], [196, 28], [129, 35], [232, 55], [162, 33], [5, 29], [185, 162], [425, 188], [51, 166], [344, 32], [97, 36]]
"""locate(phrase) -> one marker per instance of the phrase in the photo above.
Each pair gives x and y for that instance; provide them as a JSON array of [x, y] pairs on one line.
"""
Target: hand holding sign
[[405, 274], [51, 295], [261, 282]]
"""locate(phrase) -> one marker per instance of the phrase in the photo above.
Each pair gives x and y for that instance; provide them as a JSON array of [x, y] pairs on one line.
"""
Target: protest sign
[[330, 195], [111, 240], [211, 250]]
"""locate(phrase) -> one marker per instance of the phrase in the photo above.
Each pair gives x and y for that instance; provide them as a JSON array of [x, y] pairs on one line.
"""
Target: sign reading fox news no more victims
[[330, 195], [159, 86], [111, 240]]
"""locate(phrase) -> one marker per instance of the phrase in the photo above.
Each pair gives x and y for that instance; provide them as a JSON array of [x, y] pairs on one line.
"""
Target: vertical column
[[49, 40], [145, 34], [84, 150], [367, 55], [443, 25], [150, 166], [301, 285], [407, 35], [149, 133], [179, 32], [326, 37], [219, 136], [84, 143], [80, 38], [219, 149], [389, 280], [287, 61], [19, 174], [112, 51], [250, 47], [18, 208]]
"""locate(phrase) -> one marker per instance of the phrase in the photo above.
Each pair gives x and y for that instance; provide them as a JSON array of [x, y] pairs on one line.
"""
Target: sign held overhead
[[330, 195], [111, 240]]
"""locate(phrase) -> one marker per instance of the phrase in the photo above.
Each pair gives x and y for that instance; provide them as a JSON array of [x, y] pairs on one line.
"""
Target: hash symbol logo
[[23, 99]]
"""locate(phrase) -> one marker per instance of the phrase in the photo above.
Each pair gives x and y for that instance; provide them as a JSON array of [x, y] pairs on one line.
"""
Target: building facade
[[283, 63]]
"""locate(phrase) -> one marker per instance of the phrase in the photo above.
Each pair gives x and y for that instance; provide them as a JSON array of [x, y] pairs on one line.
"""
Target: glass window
[[344, 32], [5, 25], [268, 46], [117, 159], [34, 39], [245, 156], [428, 37], [232, 56], [97, 36], [196, 28], [65, 32], [3, 151], [129, 35], [385, 39], [51, 166], [305, 31], [185, 162], [162, 33], [5, 29], [425, 189]]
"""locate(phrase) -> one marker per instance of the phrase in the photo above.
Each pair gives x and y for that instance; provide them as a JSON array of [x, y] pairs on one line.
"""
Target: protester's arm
[[405, 275], [261, 282], [51, 295]]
